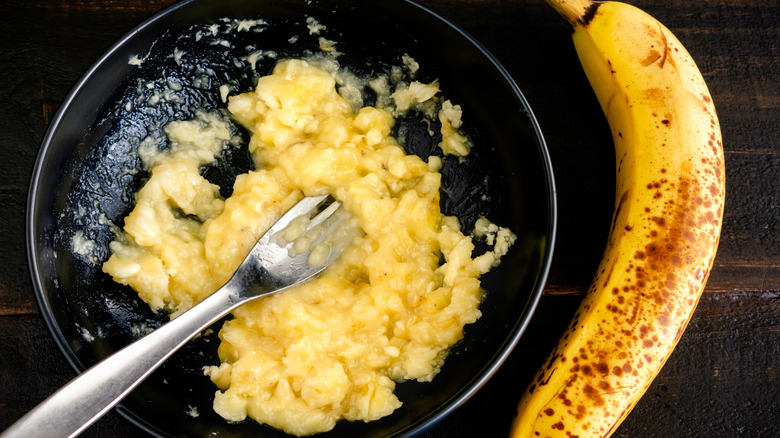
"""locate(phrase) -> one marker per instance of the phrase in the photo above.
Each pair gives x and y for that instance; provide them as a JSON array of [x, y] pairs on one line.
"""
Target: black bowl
[[81, 178]]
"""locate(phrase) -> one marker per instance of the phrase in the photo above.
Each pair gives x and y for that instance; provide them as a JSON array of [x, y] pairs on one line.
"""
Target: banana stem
[[574, 11]]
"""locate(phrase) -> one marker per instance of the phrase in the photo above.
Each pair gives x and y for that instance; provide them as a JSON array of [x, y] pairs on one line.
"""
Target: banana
[[665, 228]]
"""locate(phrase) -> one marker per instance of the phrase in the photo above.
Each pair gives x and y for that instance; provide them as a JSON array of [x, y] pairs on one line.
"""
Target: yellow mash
[[386, 311]]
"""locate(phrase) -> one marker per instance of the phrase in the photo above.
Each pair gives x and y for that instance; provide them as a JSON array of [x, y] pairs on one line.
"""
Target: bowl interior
[[81, 178]]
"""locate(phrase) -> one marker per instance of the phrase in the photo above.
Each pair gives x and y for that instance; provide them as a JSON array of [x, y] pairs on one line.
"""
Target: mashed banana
[[388, 310]]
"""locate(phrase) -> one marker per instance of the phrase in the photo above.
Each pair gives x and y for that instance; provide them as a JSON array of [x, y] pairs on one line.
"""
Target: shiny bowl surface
[[82, 173]]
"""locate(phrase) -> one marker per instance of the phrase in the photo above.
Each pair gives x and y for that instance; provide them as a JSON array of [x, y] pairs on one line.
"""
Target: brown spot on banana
[[623, 199], [665, 45], [651, 58]]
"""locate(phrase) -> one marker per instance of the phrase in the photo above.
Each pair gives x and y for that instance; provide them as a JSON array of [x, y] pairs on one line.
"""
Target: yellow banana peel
[[670, 190]]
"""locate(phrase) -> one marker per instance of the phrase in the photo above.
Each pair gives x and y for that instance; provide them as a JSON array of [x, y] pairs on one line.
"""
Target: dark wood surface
[[723, 380]]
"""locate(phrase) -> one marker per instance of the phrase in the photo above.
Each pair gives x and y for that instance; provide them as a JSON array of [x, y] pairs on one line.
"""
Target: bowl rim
[[426, 423]]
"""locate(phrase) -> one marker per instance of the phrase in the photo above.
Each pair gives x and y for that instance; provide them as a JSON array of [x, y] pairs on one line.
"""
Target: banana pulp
[[664, 232], [388, 310]]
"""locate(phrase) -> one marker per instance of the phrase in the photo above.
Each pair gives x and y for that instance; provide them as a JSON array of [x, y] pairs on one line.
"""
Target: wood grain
[[723, 378]]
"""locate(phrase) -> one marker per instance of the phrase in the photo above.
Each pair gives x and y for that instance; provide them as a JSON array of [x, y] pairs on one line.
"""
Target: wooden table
[[723, 379]]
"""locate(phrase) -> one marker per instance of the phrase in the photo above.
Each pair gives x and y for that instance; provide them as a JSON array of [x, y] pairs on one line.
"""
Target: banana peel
[[670, 190]]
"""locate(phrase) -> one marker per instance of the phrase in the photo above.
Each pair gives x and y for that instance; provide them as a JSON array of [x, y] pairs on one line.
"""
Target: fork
[[271, 266]]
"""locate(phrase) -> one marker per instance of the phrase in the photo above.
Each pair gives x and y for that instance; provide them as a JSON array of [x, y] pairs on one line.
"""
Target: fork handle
[[84, 399]]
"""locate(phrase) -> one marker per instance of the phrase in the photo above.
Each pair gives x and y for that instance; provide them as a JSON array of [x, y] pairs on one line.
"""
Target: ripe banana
[[665, 227]]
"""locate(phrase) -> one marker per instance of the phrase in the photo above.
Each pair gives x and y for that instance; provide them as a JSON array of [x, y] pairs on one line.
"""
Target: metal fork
[[269, 268]]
